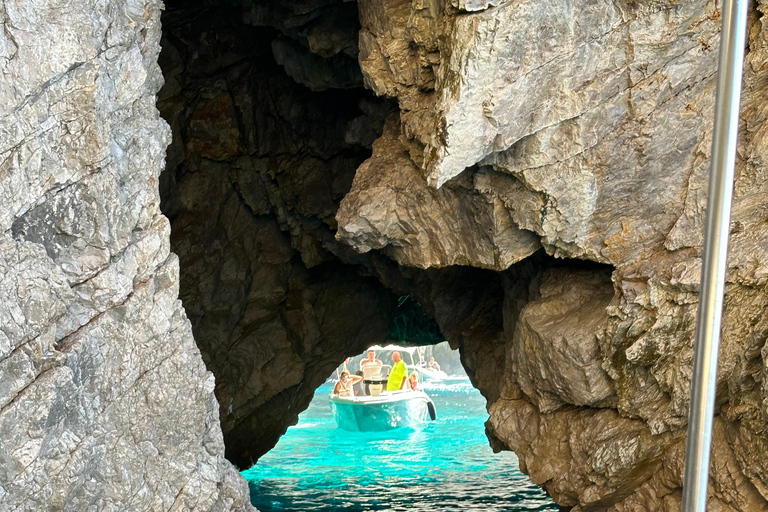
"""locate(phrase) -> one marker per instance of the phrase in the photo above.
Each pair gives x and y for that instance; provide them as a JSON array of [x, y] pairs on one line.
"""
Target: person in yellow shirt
[[398, 374]]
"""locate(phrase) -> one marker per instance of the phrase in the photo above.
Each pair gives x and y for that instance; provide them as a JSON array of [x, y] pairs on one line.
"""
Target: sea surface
[[445, 465]]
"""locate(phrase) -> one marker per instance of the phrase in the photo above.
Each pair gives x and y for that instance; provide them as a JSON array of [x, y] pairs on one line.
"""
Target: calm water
[[446, 465]]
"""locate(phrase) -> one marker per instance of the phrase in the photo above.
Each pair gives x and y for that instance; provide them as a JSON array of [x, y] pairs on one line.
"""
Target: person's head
[[431, 359], [345, 375], [413, 377], [371, 355], [395, 356]]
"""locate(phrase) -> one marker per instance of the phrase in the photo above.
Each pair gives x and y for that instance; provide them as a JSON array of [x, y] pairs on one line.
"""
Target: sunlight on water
[[445, 465]]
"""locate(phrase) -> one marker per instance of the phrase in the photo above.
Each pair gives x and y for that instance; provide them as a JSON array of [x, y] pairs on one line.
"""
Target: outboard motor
[[374, 380]]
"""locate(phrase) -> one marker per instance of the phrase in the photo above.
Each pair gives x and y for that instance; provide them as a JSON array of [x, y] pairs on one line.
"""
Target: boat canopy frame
[[393, 348]]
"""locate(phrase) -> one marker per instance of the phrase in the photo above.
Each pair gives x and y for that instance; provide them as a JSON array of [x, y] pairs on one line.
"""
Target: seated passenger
[[413, 382], [433, 364], [344, 386]]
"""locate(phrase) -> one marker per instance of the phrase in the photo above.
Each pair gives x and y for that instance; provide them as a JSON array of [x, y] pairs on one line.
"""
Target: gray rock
[[391, 206], [105, 403], [555, 352], [577, 127], [603, 114]]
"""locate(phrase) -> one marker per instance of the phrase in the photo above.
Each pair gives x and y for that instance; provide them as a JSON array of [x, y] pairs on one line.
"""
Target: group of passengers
[[351, 385]]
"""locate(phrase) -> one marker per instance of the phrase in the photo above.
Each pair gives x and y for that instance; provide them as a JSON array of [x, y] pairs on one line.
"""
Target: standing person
[[398, 374], [370, 367], [370, 361]]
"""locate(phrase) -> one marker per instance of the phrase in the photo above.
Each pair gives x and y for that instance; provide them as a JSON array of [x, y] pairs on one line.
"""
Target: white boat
[[389, 410], [383, 410], [431, 373]]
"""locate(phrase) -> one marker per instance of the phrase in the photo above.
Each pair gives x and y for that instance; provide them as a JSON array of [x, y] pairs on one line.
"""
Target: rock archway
[[303, 205], [266, 143]]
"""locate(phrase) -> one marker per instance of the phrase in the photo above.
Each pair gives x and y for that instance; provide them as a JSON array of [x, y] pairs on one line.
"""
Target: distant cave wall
[[270, 122]]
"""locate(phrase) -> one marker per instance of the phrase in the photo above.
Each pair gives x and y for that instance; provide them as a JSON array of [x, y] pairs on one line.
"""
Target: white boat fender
[[431, 410]]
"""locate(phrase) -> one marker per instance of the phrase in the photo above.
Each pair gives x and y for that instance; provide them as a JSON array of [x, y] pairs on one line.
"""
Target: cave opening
[[269, 122], [318, 466]]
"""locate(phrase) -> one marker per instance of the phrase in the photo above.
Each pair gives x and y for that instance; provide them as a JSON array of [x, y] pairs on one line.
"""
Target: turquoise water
[[446, 465]]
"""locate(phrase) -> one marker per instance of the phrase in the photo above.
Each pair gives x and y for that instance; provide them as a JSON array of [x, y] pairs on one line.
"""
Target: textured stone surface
[[105, 403], [582, 128], [424, 227], [555, 352], [259, 163], [600, 114]]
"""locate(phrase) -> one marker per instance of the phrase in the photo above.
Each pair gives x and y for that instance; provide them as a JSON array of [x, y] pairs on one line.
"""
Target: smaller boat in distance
[[431, 374], [382, 410]]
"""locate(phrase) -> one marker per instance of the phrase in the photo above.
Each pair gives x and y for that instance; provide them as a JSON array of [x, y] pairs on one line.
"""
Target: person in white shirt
[[371, 360], [344, 386]]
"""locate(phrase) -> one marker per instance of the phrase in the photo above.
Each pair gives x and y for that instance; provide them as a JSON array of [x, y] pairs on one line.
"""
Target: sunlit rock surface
[[426, 227], [603, 113], [105, 403]]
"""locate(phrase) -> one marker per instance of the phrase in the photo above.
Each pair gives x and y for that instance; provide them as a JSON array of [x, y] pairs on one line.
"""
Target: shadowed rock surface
[[255, 174]]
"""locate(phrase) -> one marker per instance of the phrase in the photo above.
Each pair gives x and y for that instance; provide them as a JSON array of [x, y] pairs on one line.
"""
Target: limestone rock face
[[533, 173], [105, 402], [599, 117], [424, 227], [555, 352]]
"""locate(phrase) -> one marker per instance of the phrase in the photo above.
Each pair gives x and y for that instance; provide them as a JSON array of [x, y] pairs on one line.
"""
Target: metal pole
[[701, 415]]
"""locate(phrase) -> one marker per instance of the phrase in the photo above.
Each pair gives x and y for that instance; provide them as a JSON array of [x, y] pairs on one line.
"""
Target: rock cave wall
[[533, 173], [267, 138], [105, 402], [588, 125]]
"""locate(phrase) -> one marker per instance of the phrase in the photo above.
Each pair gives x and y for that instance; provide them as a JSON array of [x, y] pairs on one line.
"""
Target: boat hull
[[385, 412]]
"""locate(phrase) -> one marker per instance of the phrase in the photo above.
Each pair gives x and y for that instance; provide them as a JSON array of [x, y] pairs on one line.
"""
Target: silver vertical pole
[[701, 416]]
